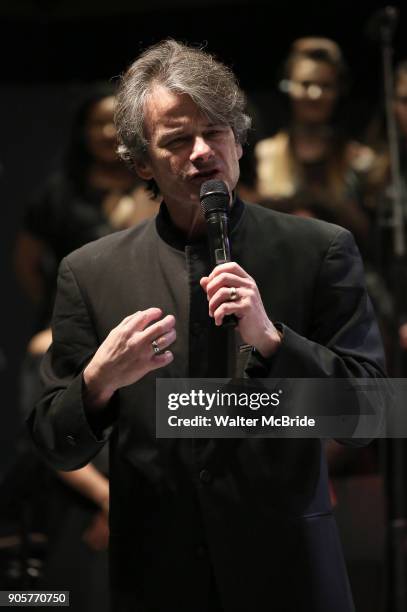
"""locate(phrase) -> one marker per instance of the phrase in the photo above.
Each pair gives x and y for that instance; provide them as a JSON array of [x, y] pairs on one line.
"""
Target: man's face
[[185, 148]]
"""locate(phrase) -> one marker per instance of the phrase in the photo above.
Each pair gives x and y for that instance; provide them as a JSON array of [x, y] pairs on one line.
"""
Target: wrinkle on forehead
[[164, 108]]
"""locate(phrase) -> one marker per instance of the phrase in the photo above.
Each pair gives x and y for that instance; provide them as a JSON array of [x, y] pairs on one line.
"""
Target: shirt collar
[[177, 239]]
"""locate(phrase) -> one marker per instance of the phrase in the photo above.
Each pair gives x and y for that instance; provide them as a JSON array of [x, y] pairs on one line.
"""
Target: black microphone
[[215, 200]]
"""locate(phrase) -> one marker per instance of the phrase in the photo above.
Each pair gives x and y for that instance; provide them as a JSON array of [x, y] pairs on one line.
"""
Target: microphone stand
[[395, 451]]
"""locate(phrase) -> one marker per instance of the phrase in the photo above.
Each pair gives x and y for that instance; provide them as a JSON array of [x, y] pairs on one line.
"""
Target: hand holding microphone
[[233, 295]]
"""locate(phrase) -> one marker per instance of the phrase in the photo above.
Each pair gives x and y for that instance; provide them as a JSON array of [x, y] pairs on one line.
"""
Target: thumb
[[204, 282]]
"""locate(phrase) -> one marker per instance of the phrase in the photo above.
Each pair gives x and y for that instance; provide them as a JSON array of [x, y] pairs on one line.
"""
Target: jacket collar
[[178, 240]]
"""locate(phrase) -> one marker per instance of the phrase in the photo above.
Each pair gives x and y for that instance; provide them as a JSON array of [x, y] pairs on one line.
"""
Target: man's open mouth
[[205, 175]]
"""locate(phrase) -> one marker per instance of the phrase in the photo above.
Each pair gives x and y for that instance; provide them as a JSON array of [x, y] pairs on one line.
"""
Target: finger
[[226, 280], [144, 318], [227, 308], [161, 360], [230, 266], [224, 295], [158, 329], [165, 340], [128, 318], [204, 282]]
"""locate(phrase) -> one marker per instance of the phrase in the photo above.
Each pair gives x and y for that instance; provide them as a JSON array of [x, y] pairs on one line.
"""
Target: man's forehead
[[166, 108]]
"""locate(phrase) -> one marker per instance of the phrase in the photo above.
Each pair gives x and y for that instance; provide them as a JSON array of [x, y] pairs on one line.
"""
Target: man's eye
[[177, 141]]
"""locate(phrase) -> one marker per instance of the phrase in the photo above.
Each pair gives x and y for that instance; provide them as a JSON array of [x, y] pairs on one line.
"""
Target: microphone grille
[[214, 196]]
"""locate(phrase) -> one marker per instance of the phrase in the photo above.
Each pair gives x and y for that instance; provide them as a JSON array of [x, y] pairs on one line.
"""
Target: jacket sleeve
[[58, 423]]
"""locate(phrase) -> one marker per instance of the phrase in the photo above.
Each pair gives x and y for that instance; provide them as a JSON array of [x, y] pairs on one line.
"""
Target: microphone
[[215, 200]]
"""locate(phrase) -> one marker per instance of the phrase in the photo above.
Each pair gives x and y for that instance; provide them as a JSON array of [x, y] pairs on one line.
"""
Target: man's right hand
[[127, 355]]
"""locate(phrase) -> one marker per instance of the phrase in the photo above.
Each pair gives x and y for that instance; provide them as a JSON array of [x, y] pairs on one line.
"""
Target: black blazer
[[252, 516]]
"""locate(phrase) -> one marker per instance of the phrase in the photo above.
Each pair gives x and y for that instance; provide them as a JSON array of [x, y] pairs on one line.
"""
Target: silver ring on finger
[[156, 348], [233, 294]]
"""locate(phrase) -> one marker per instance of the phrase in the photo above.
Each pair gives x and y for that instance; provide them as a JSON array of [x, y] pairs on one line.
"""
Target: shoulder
[[271, 147], [294, 230], [293, 256]]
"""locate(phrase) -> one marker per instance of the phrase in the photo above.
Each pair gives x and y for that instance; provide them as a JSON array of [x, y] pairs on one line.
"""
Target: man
[[203, 525]]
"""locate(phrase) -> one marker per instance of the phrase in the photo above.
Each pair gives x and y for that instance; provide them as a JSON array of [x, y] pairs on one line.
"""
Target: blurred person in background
[[396, 276], [93, 195], [400, 110], [312, 167]]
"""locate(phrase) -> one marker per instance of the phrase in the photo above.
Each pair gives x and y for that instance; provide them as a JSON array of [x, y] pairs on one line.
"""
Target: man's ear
[[239, 150], [143, 169]]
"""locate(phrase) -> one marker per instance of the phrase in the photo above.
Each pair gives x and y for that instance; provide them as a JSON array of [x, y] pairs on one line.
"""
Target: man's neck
[[179, 237], [188, 219]]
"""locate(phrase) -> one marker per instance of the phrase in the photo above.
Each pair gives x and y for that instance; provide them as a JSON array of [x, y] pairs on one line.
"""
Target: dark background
[[49, 49]]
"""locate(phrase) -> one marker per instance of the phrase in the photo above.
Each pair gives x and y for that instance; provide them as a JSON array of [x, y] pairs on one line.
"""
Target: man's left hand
[[230, 290]]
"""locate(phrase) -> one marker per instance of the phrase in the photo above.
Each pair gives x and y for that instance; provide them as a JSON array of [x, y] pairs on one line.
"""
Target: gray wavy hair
[[184, 70]]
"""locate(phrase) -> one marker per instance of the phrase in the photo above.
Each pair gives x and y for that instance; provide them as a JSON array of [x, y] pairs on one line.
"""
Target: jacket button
[[71, 440], [205, 476]]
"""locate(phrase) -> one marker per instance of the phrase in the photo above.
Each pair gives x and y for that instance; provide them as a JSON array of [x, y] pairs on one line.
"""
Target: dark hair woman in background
[[93, 195]]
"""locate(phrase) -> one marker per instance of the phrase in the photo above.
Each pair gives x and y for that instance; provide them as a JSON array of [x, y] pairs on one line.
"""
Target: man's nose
[[201, 150]]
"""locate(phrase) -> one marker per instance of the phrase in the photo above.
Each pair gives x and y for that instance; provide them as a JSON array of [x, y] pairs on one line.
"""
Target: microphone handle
[[219, 247], [230, 321]]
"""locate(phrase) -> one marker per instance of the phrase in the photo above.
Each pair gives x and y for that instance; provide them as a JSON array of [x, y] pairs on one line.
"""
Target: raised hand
[[135, 347]]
